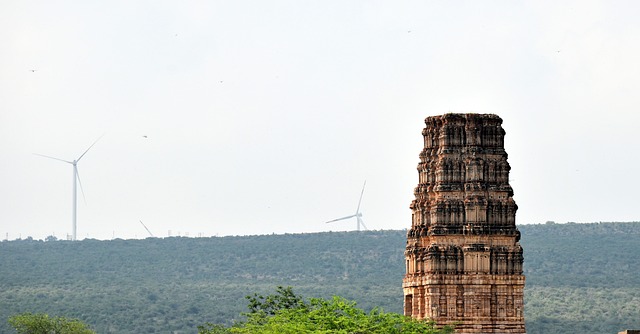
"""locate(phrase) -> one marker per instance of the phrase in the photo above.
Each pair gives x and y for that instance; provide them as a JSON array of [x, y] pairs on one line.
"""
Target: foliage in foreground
[[41, 323], [286, 312]]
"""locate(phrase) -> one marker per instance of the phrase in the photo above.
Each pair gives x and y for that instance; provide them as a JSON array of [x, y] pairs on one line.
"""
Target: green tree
[[286, 313], [284, 298], [40, 323]]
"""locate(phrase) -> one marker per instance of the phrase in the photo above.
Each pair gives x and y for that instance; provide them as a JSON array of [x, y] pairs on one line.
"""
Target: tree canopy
[[40, 323], [285, 312]]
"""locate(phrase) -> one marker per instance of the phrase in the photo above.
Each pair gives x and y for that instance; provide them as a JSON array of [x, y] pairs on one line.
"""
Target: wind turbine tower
[[74, 195], [358, 214]]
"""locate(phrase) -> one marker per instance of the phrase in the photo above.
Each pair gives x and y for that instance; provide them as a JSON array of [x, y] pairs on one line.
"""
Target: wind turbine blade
[[362, 223], [81, 189], [85, 152], [361, 193], [145, 227], [343, 218], [46, 156]]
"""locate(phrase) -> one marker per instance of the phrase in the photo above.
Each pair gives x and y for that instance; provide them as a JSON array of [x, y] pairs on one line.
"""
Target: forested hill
[[580, 277]]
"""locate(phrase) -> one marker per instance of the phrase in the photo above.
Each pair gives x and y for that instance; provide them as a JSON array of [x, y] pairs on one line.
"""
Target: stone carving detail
[[463, 256]]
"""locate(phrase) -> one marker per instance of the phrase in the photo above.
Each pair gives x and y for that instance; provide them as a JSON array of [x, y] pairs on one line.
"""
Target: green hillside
[[580, 277]]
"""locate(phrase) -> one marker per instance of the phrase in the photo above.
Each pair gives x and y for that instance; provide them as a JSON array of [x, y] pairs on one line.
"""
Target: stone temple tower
[[463, 258]]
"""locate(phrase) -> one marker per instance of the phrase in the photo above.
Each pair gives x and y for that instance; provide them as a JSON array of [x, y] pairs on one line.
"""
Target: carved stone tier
[[463, 258]]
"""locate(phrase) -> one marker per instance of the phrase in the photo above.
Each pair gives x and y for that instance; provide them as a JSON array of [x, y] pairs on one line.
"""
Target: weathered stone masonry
[[463, 258]]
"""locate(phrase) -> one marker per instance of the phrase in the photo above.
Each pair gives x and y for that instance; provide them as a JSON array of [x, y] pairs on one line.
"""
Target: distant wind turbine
[[145, 227], [358, 214], [76, 176]]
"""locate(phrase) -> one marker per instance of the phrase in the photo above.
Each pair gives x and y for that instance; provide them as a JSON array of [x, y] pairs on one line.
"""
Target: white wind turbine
[[76, 176], [358, 214]]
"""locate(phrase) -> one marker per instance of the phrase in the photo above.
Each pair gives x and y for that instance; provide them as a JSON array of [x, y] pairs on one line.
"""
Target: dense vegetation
[[288, 313], [582, 277], [41, 323]]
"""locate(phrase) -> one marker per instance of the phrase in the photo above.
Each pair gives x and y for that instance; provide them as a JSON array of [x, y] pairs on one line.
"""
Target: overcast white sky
[[267, 116]]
